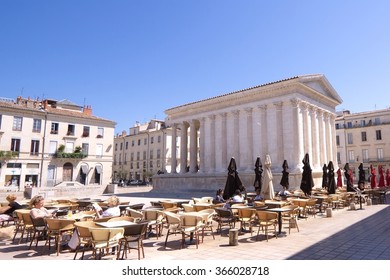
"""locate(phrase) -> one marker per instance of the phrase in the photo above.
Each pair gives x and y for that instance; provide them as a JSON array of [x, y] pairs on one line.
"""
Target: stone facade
[[284, 119]]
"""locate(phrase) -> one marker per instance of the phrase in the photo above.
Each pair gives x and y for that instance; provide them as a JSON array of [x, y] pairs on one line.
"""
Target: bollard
[[233, 237], [369, 201], [352, 206], [328, 212]]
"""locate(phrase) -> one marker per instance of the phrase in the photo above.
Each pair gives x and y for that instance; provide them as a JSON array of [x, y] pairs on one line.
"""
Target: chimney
[[123, 133], [87, 110]]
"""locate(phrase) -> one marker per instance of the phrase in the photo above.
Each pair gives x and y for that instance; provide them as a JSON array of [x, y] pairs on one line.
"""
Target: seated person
[[112, 210], [6, 212], [237, 197], [37, 209], [284, 192], [219, 197], [258, 196]]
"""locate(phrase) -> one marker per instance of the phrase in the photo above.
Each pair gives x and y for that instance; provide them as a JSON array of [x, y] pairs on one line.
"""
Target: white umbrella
[[267, 191]]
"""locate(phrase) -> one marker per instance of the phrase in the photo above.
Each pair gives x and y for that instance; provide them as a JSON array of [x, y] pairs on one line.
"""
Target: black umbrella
[[325, 177], [362, 177], [331, 180], [307, 182], [233, 182], [258, 174], [348, 177], [284, 181]]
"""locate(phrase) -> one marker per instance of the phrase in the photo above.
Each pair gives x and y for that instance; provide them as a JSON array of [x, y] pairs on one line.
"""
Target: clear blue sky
[[131, 60]]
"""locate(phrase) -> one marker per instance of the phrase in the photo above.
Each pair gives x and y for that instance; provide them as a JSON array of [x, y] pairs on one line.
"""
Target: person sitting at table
[[219, 197], [284, 192], [112, 210], [6, 212], [38, 211], [258, 196], [237, 196]]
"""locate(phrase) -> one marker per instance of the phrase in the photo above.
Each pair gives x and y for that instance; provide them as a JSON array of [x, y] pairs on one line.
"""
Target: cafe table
[[275, 203], [279, 211], [321, 199]]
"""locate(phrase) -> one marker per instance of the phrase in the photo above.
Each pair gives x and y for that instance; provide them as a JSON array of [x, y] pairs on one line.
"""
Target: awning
[[84, 169], [98, 169]]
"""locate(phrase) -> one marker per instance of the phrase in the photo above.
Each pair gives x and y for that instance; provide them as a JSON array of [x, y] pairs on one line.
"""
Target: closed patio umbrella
[[258, 174], [284, 181], [362, 177], [267, 191], [325, 177], [331, 180], [233, 181], [347, 174], [381, 183], [373, 177], [307, 182]]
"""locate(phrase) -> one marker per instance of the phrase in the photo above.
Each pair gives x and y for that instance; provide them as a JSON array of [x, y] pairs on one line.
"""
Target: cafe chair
[[84, 236], [201, 206], [58, 229], [208, 221], [155, 219], [266, 219], [133, 234], [28, 227], [137, 215], [19, 224], [188, 207], [104, 239], [246, 216], [122, 218], [191, 226], [39, 230], [173, 224], [224, 217], [311, 207], [291, 217]]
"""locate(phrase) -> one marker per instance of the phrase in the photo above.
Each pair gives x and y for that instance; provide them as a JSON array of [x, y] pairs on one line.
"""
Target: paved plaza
[[347, 235]]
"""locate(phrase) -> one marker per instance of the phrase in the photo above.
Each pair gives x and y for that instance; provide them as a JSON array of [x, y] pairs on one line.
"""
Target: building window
[[37, 125], [151, 164], [71, 130], [15, 145], [364, 136], [378, 134], [151, 154], [338, 157], [127, 145], [85, 131], [17, 125], [145, 141], [349, 124], [121, 146], [363, 123], [380, 154], [144, 155], [365, 155], [159, 139], [350, 139], [139, 142], [131, 165], [1, 117], [99, 150], [152, 140], [132, 143], [52, 147], [138, 155], [69, 147], [34, 151], [337, 126], [377, 121], [120, 159], [85, 148], [144, 164], [125, 159], [54, 128], [158, 153], [116, 146], [132, 157], [337, 140], [351, 156], [100, 132]]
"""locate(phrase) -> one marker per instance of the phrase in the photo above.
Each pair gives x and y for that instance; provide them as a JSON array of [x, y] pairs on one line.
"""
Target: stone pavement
[[347, 235]]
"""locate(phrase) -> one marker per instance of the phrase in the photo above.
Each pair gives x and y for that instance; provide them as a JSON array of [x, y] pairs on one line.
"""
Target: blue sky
[[131, 60]]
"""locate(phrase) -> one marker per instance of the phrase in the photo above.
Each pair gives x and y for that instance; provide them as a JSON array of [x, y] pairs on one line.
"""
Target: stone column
[[328, 139], [263, 135], [322, 132], [298, 140], [289, 148], [223, 144], [278, 140], [173, 149], [193, 146], [307, 134], [249, 137], [256, 129], [212, 143], [333, 138], [183, 147], [316, 138], [202, 151], [236, 136]]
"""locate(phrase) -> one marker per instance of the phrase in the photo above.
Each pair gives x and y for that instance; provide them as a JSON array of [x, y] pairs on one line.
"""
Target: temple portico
[[285, 119]]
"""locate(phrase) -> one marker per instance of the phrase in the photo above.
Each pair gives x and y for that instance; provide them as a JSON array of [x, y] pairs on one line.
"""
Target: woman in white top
[[38, 211], [112, 210]]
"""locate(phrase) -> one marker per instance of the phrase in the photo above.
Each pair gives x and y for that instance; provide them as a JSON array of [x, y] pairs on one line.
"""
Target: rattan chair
[[104, 239], [266, 219], [133, 234]]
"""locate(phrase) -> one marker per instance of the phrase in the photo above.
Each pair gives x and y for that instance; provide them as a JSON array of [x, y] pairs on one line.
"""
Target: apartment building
[[363, 138], [53, 143], [144, 152]]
